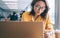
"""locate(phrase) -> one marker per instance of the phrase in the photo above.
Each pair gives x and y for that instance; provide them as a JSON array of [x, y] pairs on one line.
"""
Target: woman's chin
[[38, 14]]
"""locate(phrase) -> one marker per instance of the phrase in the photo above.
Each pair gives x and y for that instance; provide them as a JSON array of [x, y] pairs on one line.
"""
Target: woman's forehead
[[40, 3]]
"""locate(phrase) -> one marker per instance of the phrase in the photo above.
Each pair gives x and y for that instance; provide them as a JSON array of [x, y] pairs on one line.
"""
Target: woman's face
[[39, 7]]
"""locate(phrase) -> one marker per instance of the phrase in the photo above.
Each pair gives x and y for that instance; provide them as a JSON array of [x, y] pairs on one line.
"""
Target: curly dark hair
[[43, 15]]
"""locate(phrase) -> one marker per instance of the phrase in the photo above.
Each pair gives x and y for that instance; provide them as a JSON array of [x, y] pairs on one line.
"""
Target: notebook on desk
[[21, 30]]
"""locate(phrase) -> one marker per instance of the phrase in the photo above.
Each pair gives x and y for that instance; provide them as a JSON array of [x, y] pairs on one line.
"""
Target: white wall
[[51, 4]]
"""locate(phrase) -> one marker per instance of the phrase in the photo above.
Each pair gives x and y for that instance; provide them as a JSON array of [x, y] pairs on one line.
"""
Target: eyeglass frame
[[39, 7]]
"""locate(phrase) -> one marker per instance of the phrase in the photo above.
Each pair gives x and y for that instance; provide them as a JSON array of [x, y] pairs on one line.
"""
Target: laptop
[[21, 30]]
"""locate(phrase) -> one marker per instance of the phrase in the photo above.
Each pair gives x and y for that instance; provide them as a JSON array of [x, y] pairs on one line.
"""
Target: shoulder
[[47, 16], [25, 13], [26, 16]]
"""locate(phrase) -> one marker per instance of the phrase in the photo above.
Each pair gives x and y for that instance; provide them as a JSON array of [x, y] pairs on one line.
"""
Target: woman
[[39, 13]]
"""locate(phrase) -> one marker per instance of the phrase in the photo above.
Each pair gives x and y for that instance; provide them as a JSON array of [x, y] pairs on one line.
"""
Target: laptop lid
[[21, 30]]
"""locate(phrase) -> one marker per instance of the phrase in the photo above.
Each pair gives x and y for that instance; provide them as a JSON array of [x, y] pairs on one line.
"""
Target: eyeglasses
[[39, 7]]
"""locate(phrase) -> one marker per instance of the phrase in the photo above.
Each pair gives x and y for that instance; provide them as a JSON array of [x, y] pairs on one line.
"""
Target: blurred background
[[17, 7]]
